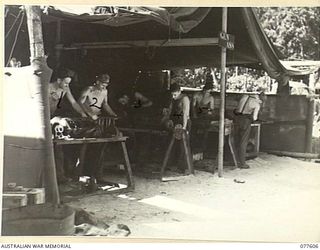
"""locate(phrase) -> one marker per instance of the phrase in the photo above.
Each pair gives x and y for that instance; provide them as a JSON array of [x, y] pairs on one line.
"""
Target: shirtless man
[[179, 116], [59, 89], [179, 110], [95, 98], [139, 100]]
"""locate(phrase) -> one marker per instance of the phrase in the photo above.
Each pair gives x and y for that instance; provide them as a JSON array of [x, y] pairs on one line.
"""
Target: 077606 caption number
[[309, 246]]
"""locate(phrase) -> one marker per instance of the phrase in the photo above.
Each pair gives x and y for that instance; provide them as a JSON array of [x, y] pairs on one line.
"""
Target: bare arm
[[74, 104], [166, 112], [107, 107], [194, 105], [211, 105], [256, 112], [186, 111], [145, 102]]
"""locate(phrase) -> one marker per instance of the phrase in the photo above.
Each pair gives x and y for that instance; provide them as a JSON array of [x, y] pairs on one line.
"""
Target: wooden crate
[[34, 195], [12, 200]]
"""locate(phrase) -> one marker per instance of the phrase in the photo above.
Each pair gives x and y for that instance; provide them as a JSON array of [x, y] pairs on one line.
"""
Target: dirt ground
[[276, 200]]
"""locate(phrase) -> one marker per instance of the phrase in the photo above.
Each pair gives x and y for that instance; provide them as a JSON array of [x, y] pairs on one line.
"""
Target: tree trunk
[[40, 80]]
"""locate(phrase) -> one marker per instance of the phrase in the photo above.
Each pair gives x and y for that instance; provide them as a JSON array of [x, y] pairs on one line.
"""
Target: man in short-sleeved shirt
[[246, 112]]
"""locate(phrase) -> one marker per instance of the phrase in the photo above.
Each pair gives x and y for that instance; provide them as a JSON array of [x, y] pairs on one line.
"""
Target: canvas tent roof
[[252, 47], [162, 38]]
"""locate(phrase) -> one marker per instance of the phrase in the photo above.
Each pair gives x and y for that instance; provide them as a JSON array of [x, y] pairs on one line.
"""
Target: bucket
[[42, 219]]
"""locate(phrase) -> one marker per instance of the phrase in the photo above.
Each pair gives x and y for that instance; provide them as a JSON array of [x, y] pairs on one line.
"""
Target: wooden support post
[[58, 47], [309, 127], [222, 94], [40, 79]]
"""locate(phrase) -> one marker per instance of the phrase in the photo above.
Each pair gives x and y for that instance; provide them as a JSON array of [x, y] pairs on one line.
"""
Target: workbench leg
[[166, 157], [187, 152], [127, 166], [205, 141], [99, 172], [79, 169], [59, 162], [232, 149], [258, 139], [134, 146]]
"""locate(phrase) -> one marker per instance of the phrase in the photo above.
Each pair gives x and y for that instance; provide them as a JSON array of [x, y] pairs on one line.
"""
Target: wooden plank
[[10, 200], [166, 158], [90, 140], [185, 42], [233, 149], [148, 131], [187, 152], [34, 195], [293, 154]]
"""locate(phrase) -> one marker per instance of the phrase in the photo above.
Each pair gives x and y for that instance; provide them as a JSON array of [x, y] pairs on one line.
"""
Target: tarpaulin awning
[[180, 19], [160, 38]]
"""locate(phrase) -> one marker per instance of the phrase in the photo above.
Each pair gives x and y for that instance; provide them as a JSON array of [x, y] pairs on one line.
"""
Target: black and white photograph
[[182, 123]]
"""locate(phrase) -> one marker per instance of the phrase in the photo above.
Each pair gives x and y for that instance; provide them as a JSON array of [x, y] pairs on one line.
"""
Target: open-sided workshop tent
[[137, 38]]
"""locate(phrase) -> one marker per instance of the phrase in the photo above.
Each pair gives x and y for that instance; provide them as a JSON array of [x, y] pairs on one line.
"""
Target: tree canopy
[[295, 31]]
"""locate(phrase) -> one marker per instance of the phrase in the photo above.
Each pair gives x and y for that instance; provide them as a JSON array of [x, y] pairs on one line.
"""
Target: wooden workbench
[[85, 141], [213, 126]]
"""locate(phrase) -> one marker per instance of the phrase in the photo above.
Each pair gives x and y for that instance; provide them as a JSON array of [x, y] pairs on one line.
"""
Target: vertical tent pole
[[222, 94], [58, 45], [309, 126], [40, 80]]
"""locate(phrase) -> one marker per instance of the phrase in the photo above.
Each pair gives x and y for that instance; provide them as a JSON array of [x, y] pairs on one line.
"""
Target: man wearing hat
[[95, 98], [246, 112]]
